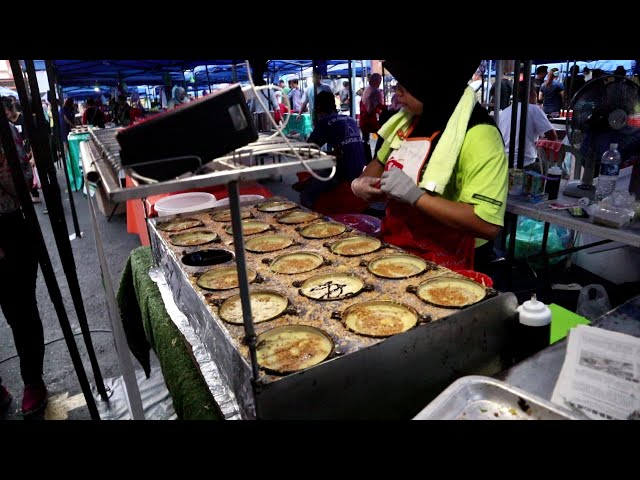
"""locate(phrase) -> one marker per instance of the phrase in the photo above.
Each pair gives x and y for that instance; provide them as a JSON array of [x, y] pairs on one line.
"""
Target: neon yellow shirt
[[480, 175]]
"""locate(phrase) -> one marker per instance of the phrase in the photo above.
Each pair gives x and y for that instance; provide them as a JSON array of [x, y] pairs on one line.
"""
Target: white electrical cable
[[279, 130]]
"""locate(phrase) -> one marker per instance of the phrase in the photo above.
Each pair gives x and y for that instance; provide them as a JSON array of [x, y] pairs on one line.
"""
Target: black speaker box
[[207, 128]]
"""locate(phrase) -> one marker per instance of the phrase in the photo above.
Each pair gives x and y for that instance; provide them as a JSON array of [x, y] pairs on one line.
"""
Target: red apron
[[406, 227]]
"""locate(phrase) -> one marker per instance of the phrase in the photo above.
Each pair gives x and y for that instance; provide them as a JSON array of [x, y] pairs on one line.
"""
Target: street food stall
[[343, 326]]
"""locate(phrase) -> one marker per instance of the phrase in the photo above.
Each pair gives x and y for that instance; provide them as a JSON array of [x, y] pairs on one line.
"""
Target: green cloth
[[73, 163], [303, 126], [445, 155], [563, 320], [140, 301]]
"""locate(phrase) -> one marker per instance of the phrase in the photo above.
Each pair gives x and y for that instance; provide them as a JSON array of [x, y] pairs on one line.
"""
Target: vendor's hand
[[367, 189], [400, 186]]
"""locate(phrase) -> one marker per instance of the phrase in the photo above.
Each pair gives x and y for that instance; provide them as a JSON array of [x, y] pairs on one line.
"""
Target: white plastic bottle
[[533, 330], [609, 171]]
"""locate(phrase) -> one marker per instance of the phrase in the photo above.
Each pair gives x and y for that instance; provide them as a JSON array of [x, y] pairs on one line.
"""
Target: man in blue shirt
[[340, 133]]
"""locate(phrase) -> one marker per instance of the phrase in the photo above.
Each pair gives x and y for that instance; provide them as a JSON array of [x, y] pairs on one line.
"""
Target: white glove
[[400, 186], [363, 187]]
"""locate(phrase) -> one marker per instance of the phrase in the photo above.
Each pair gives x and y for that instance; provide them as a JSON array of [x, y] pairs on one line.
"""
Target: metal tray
[[475, 397]]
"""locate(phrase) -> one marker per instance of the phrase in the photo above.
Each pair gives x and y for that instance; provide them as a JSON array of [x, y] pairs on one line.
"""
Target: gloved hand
[[400, 186], [363, 187]]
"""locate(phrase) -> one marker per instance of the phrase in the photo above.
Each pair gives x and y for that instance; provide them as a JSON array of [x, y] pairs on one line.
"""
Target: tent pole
[[352, 86], [514, 117], [208, 79], [62, 237], [497, 92], [523, 114]]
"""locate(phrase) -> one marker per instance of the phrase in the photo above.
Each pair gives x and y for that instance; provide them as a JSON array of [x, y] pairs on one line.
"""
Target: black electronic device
[[605, 110], [172, 143]]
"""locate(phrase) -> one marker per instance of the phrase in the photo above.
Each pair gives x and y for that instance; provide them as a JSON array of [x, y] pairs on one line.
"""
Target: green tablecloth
[[73, 163], [303, 126], [146, 322]]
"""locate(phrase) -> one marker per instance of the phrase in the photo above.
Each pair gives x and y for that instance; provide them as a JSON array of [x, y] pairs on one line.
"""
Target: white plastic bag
[[593, 302]]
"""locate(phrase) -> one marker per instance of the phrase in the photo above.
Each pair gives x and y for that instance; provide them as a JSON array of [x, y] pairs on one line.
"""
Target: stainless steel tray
[[475, 397]]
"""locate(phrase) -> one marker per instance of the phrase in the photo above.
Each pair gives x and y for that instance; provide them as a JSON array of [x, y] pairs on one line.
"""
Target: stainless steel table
[[538, 374], [629, 235], [518, 205]]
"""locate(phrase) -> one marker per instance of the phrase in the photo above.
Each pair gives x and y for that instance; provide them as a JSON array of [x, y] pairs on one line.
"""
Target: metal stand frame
[[43, 255], [32, 108]]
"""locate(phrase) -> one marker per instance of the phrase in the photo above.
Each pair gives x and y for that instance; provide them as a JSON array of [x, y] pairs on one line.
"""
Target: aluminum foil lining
[[157, 403], [223, 396], [229, 376]]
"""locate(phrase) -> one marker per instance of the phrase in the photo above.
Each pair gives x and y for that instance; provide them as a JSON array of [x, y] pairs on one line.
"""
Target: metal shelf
[[245, 163]]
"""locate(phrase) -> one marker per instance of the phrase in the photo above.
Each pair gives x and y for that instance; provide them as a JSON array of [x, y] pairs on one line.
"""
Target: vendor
[[340, 134], [442, 166]]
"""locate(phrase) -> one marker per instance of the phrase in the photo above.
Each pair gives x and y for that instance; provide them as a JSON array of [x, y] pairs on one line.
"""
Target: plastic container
[[609, 172], [533, 330], [184, 202], [243, 198]]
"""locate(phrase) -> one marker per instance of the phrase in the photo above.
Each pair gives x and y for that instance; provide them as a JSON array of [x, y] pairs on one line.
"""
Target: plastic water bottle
[[609, 170]]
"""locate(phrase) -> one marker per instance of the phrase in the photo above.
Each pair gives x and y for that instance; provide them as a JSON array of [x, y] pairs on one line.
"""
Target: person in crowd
[[620, 71], [308, 97], [345, 97], [552, 94], [123, 117], [92, 114], [371, 105], [340, 134], [268, 96], [295, 95], [178, 97], [506, 88], [442, 167], [358, 101], [16, 118], [573, 83], [586, 71], [18, 274], [137, 111], [597, 73], [538, 80], [537, 125], [285, 89], [393, 108]]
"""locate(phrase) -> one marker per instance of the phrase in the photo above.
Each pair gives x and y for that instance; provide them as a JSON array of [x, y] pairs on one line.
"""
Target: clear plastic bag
[[593, 302], [616, 210]]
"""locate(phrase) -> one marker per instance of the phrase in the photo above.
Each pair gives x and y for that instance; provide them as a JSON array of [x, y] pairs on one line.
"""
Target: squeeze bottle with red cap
[[533, 330]]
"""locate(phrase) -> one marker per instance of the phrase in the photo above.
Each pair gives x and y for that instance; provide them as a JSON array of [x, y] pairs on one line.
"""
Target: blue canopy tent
[[7, 92]]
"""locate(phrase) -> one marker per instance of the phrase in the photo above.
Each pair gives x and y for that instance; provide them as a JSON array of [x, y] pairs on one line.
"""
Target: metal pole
[[209, 80], [352, 112], [53, 197], [524, 112], [56, 123], [43, 257], [53, 101], [122, 349], [241, 265], [496, 95], [514, 118], [486, 92]]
